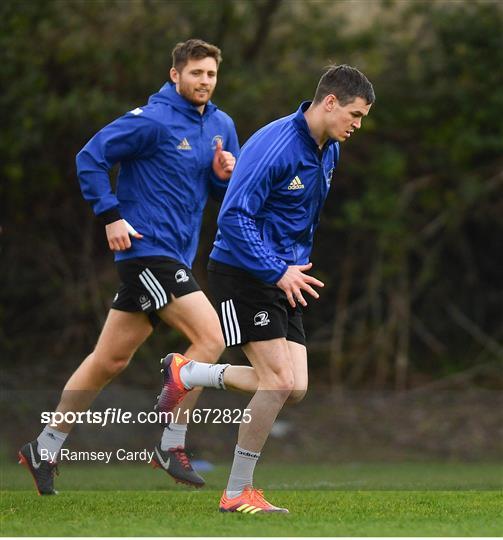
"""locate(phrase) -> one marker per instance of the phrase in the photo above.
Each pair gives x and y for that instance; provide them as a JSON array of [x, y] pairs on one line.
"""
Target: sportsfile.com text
[[114, 415]]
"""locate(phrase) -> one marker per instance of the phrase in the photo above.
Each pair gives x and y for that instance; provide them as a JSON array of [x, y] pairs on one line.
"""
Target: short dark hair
[[346, 83], [194, 49]]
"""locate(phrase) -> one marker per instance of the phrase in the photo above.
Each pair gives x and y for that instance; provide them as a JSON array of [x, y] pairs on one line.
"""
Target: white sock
[[50, 441], [173, 436], [242, 471], [202, 374]]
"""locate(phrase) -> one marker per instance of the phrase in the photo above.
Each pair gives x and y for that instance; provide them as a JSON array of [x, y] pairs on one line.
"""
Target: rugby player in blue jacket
[[257, 269], [173, 152]]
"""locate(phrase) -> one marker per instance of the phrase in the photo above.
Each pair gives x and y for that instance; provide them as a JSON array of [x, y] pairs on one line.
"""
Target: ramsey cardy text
[[121, 454]]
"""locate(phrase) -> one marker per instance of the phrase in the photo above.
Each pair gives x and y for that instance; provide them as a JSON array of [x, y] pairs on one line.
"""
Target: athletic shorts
[[250, 309], [147, 284]]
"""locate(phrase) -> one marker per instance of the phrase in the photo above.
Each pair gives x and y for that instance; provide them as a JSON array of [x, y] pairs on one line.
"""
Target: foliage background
[[411, 239]]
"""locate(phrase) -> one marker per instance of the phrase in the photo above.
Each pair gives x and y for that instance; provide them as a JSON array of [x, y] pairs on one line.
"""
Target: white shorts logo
[[261, 318], [144, 302], [181, 276], [155, 289]]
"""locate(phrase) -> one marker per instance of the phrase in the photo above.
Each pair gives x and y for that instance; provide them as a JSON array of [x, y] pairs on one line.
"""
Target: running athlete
[[174, 152], [257, 269]]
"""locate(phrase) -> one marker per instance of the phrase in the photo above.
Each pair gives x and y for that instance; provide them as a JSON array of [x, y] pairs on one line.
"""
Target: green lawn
[[419, 499]]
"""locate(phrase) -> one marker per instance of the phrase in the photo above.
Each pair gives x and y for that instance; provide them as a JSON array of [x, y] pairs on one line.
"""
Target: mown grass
[[414, 499]]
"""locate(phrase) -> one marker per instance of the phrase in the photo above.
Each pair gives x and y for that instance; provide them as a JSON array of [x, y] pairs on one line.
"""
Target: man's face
[[341, 121], [197, 80]]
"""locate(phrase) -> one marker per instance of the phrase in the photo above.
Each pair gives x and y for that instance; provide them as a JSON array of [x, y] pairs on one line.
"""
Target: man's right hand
[[294, 280], [118, 235]]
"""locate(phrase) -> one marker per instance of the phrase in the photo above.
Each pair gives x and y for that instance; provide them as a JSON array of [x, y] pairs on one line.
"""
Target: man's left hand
[[223, 162]]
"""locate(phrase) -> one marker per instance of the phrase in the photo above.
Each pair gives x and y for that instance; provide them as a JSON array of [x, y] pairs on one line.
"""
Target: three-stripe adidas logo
[[248, 509], [151, 283], [296, 183], [232, 332], [184, 144]]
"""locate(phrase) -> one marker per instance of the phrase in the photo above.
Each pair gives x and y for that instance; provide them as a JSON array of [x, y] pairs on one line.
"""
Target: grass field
[[410, 499]]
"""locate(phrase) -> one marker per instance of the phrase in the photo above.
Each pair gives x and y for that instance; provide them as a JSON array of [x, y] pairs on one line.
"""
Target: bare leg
[[242, 378], [121, 336], [273, 367], [245, 378], [298, 363]]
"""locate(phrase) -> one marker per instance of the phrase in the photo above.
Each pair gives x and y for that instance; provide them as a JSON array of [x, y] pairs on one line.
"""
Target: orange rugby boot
[[251, 501]]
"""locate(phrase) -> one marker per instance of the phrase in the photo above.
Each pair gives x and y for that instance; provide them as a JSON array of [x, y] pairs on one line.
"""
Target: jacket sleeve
[[130, 136], [248, 191], [219, 187]]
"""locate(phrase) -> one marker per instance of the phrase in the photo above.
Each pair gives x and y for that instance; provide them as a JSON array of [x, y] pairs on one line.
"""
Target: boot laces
[[182, 457], [258, 496]]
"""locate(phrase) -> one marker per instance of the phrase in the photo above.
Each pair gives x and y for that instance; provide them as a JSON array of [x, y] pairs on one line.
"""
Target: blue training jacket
[[166, 150], [274, 199]]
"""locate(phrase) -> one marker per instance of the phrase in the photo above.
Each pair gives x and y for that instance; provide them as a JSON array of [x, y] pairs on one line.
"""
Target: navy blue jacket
[[165, 150], [274, 199]]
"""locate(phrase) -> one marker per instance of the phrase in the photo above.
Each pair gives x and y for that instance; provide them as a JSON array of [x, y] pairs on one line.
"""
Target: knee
[[112, 366], [213, 345], [296, 396], [279, 378], [216, 345]]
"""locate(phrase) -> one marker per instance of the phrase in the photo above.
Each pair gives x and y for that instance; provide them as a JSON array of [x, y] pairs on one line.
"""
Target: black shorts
[[148, 283], [250, 309]]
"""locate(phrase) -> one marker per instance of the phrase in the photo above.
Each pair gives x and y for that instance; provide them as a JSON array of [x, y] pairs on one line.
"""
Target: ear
[[330, 102], [175, 76]]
